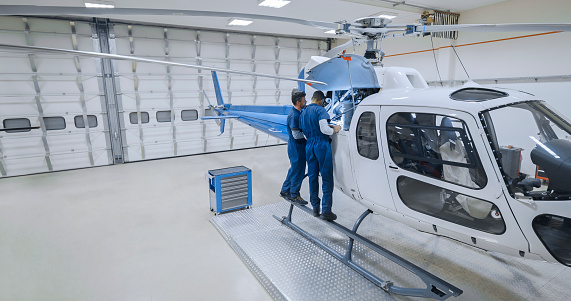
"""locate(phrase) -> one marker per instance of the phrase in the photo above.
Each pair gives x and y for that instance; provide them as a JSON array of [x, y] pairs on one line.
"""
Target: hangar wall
[[94, 112], [531, 61]]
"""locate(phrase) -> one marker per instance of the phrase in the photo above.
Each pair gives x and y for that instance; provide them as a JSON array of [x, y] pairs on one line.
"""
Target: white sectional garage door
[[58, 93], [94, 112], [171, 100]]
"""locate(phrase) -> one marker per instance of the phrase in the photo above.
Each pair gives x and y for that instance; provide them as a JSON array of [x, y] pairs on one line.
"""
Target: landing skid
[[436, 288]]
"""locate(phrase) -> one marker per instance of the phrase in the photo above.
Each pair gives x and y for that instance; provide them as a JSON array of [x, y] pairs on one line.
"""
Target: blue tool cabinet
[[230, 188]]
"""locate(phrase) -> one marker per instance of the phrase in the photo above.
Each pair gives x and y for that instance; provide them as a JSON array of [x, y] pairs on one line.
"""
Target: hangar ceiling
[[324, 10]]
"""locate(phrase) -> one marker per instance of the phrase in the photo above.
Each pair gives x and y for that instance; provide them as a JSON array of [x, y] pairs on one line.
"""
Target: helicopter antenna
[[454, 48], [436, 62]]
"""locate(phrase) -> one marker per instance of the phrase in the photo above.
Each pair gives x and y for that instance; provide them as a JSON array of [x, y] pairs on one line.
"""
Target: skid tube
[[436, 288]]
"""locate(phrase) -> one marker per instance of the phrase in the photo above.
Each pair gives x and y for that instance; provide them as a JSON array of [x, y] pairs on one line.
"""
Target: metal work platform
[[291, 267]]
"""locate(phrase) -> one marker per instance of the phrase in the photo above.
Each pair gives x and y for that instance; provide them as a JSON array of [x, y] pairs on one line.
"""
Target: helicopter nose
[[555, 233]]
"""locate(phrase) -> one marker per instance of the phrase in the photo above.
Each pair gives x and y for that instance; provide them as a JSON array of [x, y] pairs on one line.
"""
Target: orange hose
[[477, 43]]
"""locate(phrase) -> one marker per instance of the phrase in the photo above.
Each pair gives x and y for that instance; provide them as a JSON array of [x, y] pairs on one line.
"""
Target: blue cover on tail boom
[[268, 119]]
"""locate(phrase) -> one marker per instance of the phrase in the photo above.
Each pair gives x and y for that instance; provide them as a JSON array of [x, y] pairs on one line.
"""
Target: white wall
[[544, 55]]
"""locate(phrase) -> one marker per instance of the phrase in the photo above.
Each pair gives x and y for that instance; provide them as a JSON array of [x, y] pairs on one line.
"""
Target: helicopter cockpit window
[[367, 136], [436, 146], [450, 206], [534, 143], [477, 94]]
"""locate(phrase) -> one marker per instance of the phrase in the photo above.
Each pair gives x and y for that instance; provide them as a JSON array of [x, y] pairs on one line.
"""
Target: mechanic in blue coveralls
[[295, 151], [314, 123]]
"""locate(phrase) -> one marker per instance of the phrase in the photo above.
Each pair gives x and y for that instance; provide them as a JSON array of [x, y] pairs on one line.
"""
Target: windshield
[[533, 143]]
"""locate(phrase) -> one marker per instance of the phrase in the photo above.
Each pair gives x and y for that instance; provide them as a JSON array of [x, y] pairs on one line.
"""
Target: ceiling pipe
[[397, 3]]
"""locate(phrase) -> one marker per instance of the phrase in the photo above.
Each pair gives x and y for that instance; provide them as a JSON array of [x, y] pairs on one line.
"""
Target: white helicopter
[[441, 160]]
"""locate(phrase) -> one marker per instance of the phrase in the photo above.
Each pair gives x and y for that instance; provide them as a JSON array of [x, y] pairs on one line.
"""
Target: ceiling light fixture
[[100, 4], [239, 22], [273, 3]]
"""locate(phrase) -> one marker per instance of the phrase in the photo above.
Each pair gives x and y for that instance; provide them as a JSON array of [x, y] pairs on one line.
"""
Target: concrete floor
[[137, 231], [141, 231]]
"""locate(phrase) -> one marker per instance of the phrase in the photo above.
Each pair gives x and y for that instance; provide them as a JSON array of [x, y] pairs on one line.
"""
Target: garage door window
[[17, 123], [80, 123], [189, 115], [54, 123], [164, 116], [135, 120]]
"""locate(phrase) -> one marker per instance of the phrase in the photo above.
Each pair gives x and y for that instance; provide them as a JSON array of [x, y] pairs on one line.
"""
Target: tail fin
[[219, 99], [300, 85]]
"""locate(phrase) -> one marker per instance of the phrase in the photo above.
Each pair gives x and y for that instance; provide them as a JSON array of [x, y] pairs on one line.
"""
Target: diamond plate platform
[[292, 268]]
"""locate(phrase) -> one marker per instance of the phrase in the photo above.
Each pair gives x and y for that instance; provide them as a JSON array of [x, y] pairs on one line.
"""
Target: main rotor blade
[[336, 50], [143, 60], [496, 27], [33, 10]]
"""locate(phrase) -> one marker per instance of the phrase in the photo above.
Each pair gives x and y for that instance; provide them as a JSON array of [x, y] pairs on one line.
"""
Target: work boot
[[299, 200], [328, 216], [316, 212], [284, 194]]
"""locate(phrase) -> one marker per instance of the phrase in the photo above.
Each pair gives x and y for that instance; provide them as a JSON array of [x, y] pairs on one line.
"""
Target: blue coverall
[[296, 154], [319, 156]]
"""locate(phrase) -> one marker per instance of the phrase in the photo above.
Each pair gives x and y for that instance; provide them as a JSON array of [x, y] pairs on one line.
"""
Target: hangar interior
[[103, 189]]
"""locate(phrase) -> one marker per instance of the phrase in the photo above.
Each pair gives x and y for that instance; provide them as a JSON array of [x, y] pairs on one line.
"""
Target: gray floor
[[137, 231], [141, 231]]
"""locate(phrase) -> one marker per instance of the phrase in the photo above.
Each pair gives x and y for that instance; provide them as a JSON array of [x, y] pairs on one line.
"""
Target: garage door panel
[[244, 141], [238, 38], [288, 54], [187, 35], [158, 134], [218, 144], [184, 86], [147, 32], [24, 165], [187, 101], [211, 50], [159, 150], [191, 147], [69, 160], [66, 141], [90, 85], [240, 52], [16, 86], [181, 49], [88, 65]]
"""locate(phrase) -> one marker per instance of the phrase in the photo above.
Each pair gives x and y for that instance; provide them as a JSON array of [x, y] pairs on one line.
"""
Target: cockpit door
[[367, 158], [439, 172]]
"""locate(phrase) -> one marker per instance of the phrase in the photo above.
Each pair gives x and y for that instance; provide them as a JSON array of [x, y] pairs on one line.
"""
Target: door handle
[[393, 167]]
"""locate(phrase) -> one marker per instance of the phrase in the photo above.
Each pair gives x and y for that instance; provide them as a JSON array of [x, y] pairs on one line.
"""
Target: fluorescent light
[[239, 22], [96, 5], [332, 31], [100, 3], [273, 3]]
